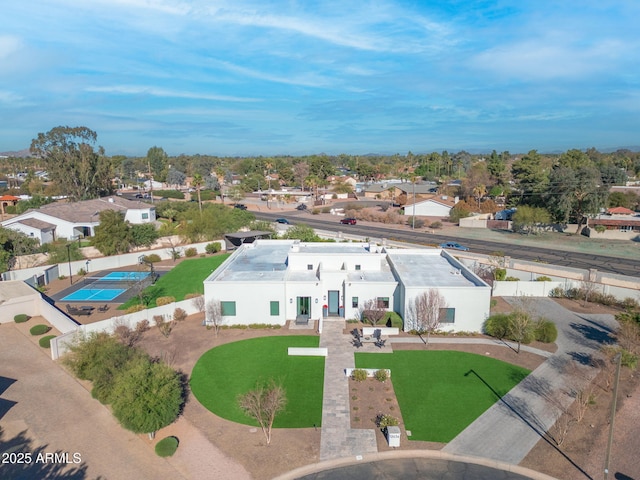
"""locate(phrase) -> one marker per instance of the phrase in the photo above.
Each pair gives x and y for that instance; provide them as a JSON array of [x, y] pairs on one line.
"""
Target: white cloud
[[161, 92], [9, 44]]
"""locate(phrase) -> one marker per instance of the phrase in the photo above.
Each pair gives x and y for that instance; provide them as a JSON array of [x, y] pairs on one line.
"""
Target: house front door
[[303, 307], [334, 302]]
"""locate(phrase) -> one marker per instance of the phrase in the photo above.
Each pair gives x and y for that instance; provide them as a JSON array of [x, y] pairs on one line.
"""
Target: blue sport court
[[106, 288]]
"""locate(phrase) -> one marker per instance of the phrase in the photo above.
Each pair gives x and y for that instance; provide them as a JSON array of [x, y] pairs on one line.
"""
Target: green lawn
[[224, 372], [438, 393], [184, 278]]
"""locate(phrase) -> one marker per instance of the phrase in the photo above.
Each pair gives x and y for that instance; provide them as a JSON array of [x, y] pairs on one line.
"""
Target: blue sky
[[261, 77]]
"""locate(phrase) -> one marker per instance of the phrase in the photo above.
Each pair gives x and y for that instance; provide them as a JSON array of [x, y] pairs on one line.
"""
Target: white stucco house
[[437, 206], [72, 220], [273, 281]]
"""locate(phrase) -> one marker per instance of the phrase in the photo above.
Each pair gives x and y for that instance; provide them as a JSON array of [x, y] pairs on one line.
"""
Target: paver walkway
[[511, 427], [338, 439]]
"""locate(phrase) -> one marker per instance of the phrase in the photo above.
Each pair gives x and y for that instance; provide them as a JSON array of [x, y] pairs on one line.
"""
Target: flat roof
[[428, 268]]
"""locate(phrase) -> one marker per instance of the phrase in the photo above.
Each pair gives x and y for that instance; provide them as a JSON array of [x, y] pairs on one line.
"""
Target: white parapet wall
[[308, 351]]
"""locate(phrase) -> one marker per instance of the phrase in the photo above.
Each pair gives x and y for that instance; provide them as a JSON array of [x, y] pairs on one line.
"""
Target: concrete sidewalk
[[512, 426], [338, 439]]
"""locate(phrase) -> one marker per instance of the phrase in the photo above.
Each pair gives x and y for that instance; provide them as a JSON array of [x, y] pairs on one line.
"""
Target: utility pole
[[69, 258], [413, 220]]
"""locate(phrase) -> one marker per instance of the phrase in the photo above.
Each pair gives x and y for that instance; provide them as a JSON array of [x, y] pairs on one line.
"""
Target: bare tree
[[198, 303], [373, 310], [263, 403], [165, 326], [125, 334], [425, 311], [587, 289], [521, 326], [213, 315]]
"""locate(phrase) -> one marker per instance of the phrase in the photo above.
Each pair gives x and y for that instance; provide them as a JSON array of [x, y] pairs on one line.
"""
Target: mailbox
[[393, 436]]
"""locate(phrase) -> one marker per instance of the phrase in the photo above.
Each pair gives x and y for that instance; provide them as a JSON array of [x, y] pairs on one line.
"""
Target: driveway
[[44, 410], [512, 426]]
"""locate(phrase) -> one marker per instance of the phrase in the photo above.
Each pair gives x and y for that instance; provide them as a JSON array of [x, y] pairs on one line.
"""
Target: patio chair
[[357, 343], [380, 343], [103, 308]]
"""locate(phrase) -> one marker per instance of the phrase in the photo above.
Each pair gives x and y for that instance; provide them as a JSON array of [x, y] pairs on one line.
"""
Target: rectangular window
[[383, 302], [228, 309], [145, 216], [309, 267], [358, 267], [447, 315], [354, 302], [275, 308]]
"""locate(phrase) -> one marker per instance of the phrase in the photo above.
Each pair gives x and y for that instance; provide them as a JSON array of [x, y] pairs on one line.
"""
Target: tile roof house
[[73, 220], [618, 223]]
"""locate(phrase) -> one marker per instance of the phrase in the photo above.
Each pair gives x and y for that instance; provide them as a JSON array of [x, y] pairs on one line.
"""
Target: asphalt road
[[622, 266]]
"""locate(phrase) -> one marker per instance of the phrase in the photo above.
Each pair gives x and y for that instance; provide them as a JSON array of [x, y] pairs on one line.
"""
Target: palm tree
[[197, 182]]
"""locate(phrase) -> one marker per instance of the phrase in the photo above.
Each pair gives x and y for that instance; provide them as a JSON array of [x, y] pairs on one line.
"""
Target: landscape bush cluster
[[375, 215], [587, 294], [21, 318], [504, 325], [145, 394]]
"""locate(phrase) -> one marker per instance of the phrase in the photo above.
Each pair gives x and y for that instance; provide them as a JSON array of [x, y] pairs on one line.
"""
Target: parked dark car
[[283, 221], [454, 246], [348, 221], [241, 206], [302, 206]]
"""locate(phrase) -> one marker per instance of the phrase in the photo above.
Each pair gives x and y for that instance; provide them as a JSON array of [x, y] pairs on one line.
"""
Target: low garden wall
[[307, 351]]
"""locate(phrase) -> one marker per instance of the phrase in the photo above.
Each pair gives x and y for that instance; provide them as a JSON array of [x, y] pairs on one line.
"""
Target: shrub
[[21, 318], [190, 252], [557, 292], [543, 278], [262, 326], [629, 359], [381, 375], [500, 274], [315, 211], [384, 421], [436, 225], [178, 195], [135, 308], [39, 329], [152, 258], [165, 300], [417, 222], [512, 279], [179, 314], [497, 325], [546, 331], [167, 446], [45, 342], [600, 228], [630, 304], [359, 375], [213, 247], [82, 272]]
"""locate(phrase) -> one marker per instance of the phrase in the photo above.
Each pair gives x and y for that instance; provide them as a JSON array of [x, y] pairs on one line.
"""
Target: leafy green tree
[[14, 244], [35, 202], [575, 188], [158, 161], [214, 221], [113, 235], [302, 232], [143, 235], [531, 174], [530, 219], [72, 163], [147, 396]]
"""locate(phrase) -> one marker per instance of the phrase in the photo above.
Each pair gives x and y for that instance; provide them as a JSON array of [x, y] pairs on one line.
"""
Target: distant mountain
[[18, 154]]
